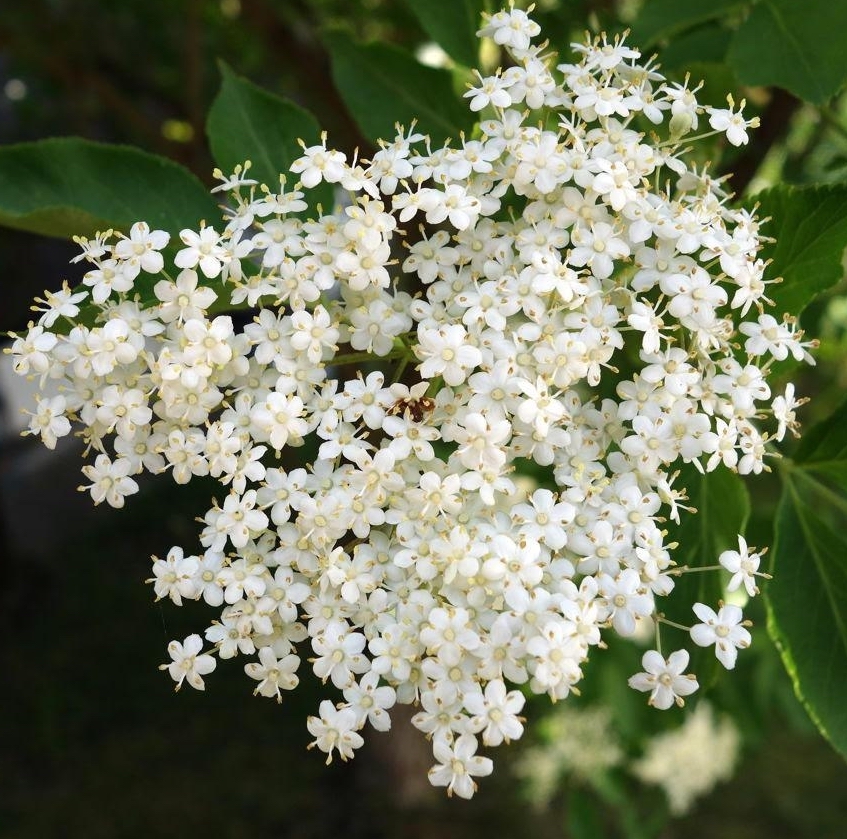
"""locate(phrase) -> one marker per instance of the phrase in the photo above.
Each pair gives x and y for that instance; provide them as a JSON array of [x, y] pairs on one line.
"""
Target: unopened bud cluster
[[563, 289]]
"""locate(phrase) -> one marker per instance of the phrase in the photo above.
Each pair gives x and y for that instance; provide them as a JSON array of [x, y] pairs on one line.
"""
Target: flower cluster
[[563, 290], [690, 761], [581, 743]]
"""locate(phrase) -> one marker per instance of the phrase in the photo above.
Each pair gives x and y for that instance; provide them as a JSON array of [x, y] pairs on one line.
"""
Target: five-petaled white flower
[[458, 765], [724, 628], [187, 664], [664, 679], [744, 567]]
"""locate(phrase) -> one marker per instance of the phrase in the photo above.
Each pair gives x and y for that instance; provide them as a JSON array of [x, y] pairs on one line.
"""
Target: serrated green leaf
[[70, 186], [660, 19], [807, 598], [383, 85], [453, 25], [810, 228], [247, 122], [723, 507], [798, 46]]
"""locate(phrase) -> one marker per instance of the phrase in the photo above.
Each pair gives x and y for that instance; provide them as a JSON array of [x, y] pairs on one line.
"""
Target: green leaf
[[703, 45], [807, 598], [453, 25], [810, 228], [383, 85], [717, 78], [70, 186], [825, 442], [795, 45], [249, 123], [723, 506], [661, 19]]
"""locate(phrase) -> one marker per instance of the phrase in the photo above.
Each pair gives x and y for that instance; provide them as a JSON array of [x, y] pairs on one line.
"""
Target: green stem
[[674, 624], [691, 139], [435, 386], [402, 352], [685, 569]]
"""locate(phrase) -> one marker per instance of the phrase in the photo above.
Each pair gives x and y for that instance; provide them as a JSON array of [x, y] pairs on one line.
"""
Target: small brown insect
[[414, 408]]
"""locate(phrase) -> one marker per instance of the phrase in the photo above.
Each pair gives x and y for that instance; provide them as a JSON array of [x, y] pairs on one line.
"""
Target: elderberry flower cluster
[[562, 290]]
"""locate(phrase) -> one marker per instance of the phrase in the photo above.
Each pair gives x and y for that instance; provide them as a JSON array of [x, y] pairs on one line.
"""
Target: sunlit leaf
[[69, 186]]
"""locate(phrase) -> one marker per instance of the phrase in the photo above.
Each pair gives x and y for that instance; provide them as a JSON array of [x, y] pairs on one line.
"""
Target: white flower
[[491, 91], [496, 713], [371, 701], [183, 299], [545, 518], [173, 576], [32, 352], [242, 578], [732, 122], [208, 345], [597, 247], [743, 565], [458, 765], [277, 419], [231, 636], [273, 675], [725, 629], [203, 250], [314, 333], [108, 276], [335, 729], [448, 635], [481, 442], [317, 164], [784, 410], [513, 28], [109, 480], [187, 664], [236, 520], [664, 679], [59, 304], [49, 420], [339, 654], [112, 345], [142, 247], [624, 600], [446, 353], [124, 410]]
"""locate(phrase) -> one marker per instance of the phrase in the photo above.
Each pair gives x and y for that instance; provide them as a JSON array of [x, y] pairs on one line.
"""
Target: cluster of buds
[[563, 290]]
